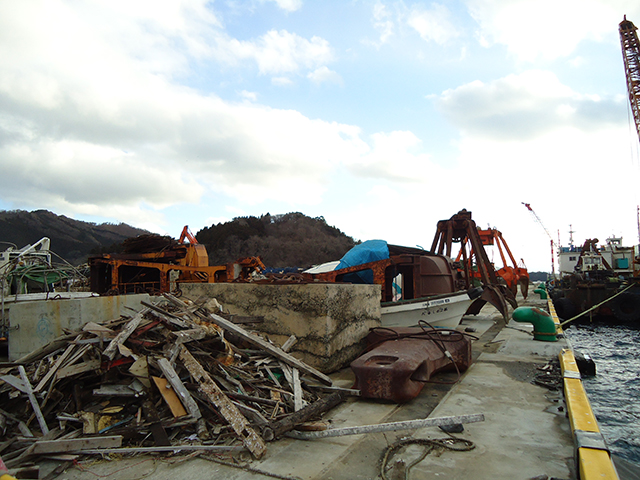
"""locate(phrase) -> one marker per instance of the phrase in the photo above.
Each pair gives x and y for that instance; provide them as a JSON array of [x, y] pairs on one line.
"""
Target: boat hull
[[444, 311]]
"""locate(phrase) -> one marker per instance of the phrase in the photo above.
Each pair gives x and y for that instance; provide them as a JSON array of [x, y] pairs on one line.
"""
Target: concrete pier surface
[[525, 433]]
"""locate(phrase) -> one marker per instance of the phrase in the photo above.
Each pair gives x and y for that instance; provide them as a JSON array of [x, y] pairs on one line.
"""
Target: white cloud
[[547, 29], [396, 156], [92, 117], [383, 22], [276, 52], [433, 24], [324, 75], [281, 81], [525, 106], [288, 5], [251, 96]]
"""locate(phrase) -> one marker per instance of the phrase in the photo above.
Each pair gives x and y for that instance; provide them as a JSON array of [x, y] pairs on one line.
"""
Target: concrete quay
[[525, 433]]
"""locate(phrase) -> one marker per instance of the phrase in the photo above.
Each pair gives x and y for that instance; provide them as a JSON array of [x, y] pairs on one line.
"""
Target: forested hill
[[289, 240], [73, 240]]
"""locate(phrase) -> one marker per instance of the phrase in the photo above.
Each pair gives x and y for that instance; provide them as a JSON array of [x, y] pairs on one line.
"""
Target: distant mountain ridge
[[73, 240], [287, 240]]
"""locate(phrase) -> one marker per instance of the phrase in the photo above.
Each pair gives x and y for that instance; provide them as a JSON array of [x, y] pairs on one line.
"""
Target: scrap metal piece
[[388, 427], [405, 358], [254, 443]]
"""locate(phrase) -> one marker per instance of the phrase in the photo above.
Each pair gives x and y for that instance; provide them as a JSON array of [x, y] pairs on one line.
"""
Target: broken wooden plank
[[114, 391], [275, 429], [72, 370], [255, 340], [112, 348], [298, 403], [15, 382], [47, 349], [76, 444], [33, 400], [173, 378], [170, 397], [250, 438], [291, 341], [186, 336], [55, 368]]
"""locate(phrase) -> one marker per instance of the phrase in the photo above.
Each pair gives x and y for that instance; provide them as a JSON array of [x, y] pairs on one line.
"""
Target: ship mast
[[631, 56]]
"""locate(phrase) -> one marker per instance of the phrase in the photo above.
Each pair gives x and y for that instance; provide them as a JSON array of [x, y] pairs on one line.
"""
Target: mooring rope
[[598, 305], [429, 444]]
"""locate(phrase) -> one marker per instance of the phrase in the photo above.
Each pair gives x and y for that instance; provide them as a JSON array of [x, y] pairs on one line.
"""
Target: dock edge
[[593, 459]]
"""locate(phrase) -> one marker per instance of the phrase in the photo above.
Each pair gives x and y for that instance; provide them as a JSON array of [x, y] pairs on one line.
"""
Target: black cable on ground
[[452, 443]]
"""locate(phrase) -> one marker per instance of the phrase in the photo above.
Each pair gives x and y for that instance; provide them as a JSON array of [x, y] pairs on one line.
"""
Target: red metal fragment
[[404, 358]]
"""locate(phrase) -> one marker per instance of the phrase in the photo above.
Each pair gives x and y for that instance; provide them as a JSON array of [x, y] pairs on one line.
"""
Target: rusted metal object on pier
[[401, 360], [474, 261], [514, 274], [155, 264], [425, 274]]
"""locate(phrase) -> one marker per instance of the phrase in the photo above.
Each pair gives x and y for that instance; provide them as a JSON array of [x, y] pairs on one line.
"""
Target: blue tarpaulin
[[369, 251]]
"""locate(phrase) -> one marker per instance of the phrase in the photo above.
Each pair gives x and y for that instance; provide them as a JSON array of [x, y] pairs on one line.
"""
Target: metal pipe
[[544, 328], [387, 427]]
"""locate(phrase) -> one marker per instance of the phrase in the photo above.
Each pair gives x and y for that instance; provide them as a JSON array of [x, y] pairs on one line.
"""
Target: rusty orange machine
[[513, 274], [155, 264]]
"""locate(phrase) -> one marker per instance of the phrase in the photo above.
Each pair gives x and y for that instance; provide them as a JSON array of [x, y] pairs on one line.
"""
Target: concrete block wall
[[330, 321], [34, 324]]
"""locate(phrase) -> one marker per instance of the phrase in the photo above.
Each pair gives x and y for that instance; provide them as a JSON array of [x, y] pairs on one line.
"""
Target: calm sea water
[[614, 393]]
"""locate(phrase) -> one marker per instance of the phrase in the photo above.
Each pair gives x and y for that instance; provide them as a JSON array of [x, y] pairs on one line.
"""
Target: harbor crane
[[631, 55], [553, 244]]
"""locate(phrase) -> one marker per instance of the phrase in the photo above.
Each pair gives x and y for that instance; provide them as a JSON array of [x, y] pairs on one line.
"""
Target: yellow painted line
[[593, 463]]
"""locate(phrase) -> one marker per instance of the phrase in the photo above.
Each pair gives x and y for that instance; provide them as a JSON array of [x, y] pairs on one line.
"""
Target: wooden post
[[33, 400], [173, 378], [112, 348], [227, 409]]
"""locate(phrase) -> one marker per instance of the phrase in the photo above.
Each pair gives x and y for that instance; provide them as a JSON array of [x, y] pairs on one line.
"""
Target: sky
[[383, 117]]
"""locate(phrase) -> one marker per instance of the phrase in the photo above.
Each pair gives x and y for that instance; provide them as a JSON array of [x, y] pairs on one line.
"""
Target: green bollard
[[544, 328], [542, 292]]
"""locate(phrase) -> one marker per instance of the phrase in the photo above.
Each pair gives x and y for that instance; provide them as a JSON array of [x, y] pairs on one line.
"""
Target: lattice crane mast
[[553, 244], [631, 55]]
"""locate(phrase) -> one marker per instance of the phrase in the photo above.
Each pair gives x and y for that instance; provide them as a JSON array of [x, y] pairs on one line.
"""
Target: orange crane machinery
[[155, 264], [553, 244], [513, 276], [475, 264], [631, 55]]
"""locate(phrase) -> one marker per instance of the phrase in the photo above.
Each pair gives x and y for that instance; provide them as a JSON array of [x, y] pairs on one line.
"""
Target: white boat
[[444, 311]]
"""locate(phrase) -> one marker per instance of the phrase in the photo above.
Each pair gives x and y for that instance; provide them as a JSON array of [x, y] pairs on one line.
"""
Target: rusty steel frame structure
[[631, 55], [475, 263], [513, 276], [159, 272]]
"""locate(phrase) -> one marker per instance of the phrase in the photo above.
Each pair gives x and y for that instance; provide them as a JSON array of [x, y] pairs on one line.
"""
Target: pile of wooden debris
[[172, 375]]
